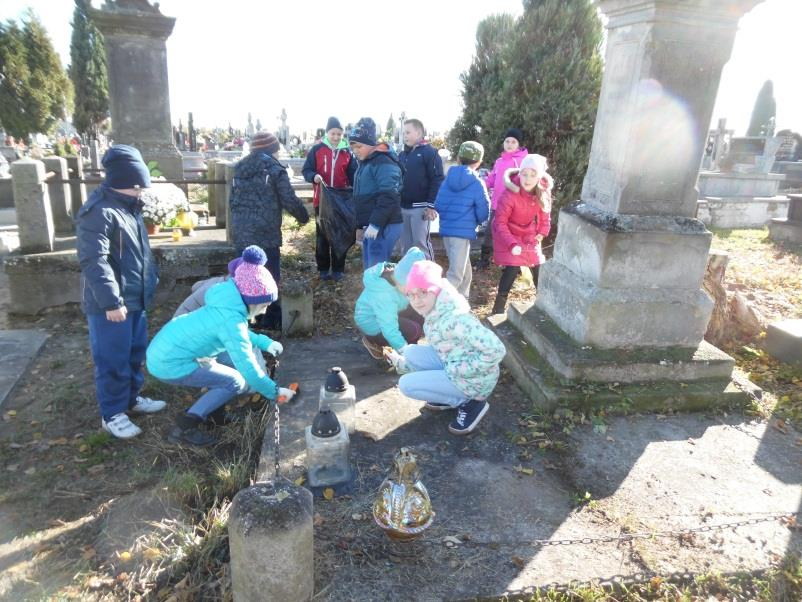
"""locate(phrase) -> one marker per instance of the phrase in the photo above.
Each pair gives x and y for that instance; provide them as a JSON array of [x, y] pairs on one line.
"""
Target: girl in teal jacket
[[185, 350]]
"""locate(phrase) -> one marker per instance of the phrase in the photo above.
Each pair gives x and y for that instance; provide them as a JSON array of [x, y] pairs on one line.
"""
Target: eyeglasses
[[417, 293]]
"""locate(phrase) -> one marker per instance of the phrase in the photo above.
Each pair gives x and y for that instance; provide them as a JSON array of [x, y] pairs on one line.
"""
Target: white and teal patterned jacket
[[470, 352]]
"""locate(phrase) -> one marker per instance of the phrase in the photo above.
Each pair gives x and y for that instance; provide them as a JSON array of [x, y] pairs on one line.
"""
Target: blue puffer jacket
[[377, 189], [462, 203], [377, 308], [220, 325], [117, 267], [423, 174]]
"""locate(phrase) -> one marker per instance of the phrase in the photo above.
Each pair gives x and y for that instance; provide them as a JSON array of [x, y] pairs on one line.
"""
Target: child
[[118, 280], [329, 162], [522, 221], [511, 157], [377, 193], [185, 352], [459, 368], [462, 205], [423, 174], [382, 310]]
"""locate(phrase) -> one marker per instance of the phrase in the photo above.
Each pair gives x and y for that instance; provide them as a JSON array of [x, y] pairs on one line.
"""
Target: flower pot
[[153, 228]]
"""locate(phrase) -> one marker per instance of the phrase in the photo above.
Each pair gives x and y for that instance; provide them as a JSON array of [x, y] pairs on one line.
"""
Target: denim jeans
[[427, 380], [223, 384], [460, 273], [376, 250], [118, 352]]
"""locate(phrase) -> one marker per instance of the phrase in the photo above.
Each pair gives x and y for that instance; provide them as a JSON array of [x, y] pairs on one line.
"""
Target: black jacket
[[422, 177]]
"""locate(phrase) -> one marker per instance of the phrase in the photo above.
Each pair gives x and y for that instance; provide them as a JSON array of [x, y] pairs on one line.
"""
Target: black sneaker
[[437, 407], [469, 414], [187, 430]]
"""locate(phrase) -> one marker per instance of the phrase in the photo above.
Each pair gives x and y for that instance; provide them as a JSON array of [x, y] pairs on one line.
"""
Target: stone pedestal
[[784, 341], [60, 194], [228, 171], [75, 165], [211, 189], [221, 194], [270, 537], [297, 308], [135, 34], [789, 229], [32, 203], [629, 259]]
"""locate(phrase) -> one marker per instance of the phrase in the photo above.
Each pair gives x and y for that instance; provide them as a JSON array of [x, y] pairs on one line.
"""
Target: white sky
[[361, 58]]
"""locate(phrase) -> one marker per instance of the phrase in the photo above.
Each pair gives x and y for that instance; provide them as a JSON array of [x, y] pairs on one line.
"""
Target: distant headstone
[[32, 203]]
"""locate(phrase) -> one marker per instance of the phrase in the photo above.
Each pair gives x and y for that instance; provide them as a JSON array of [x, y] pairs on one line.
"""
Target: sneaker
[[146, 405], [121, 427], [437, 407], [337, 276], [187, 430], [469, 414], [375, 350]]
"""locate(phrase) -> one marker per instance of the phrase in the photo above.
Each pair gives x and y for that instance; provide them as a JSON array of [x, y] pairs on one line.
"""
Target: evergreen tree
[[544, 77], [765, 108], [34, 89], [389, 131], [88, 72]]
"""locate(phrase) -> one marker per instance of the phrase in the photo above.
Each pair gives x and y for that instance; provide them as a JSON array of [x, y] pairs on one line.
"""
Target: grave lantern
[[327, 450], [340, 397]]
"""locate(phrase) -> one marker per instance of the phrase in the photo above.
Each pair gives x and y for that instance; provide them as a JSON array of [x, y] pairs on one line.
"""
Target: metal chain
[[277, 439]]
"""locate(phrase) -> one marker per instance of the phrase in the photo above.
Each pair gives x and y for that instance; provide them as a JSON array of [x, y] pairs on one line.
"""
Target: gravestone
[[789, 229], [135, 33], [32, 203], [58, 189], [77, 188]]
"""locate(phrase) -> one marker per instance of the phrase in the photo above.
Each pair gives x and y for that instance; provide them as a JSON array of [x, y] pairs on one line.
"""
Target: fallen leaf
[[124, 556], [451, 542], [12, 467], [518, 561], [358, 516], [527, 471], [59, 441], [610, 439], [96, 469], [30, 471], [282, 495], [122, 577], [300, 480], [780, 426], [35, 423], [328, 493], [89, 552], [318, 520], [83, 448], [151, 553]]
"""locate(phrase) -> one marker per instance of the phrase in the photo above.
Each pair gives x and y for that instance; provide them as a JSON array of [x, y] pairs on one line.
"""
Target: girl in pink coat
[[511, 157], [522, 221]]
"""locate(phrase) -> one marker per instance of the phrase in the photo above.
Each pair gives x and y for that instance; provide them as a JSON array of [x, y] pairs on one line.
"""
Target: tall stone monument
[[622, 298], [135, 33]]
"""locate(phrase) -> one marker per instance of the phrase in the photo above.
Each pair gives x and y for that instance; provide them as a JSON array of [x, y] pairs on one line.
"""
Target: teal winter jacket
[[377, 308], [220, 325]]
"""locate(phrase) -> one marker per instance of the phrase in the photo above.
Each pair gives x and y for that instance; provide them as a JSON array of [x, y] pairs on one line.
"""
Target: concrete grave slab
[[17, 349], [784, 341]]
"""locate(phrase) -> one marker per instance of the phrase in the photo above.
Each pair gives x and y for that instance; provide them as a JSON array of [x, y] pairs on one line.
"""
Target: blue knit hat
[[402, 268], [125, 168], [364, 132], [333, 122]]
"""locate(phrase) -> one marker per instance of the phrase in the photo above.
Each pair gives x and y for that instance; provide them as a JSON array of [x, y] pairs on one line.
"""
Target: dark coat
[[117, 267], [260, 191], [423, 174], [377, 189]]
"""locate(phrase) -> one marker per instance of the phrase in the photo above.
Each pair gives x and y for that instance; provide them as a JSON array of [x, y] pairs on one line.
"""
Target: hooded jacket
[[260, 191], [494, 179], [377, 307], [423, 175], [117, 266], [377, 189], [470, 352], [462, 203], [519, 218], [220, 325], [336, 166]]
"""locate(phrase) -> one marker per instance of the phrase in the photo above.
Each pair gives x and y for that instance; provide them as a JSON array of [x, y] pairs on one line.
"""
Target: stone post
[[270, 539], [629, 257], [229, 177], [297, 308], [78, 188], [94, 155], [34, 215], [221, 194], [211, 189], [135, 34], [58, 190]]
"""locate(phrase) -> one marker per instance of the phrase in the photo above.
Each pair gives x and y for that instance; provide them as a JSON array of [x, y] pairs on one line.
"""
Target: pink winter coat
[[519, 219], [496, 176]]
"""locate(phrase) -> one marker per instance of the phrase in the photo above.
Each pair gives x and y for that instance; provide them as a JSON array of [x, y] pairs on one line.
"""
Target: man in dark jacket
[[118, 280], [423, 174], [260, 192], [377, 193]]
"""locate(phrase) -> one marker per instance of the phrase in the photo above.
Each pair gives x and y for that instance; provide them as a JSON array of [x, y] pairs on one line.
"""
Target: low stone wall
[[716, 212]]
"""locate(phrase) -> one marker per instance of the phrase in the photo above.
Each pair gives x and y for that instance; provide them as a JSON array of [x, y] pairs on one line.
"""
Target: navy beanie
[[125, 168], [364, 131], [333, 122], [515, 133]]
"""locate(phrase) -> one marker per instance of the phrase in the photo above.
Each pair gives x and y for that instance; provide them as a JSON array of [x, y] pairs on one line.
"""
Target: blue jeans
[[118, 351], [223, 384], [376, 250], [427, 380]]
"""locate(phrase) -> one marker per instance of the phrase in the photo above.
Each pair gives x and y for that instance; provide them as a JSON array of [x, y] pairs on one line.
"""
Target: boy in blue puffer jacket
[[382, 311], [186, 349], [462, 204]]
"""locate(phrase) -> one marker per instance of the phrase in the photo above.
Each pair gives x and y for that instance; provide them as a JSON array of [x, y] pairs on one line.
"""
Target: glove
[[516, 250], [317, 179], [395, 359], [284, 394], [371, 232], [275, 349]]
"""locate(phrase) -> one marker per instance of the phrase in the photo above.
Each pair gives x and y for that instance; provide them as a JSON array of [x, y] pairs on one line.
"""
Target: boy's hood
[[459, 177], [382, 149], [226, 296], [372, 278]]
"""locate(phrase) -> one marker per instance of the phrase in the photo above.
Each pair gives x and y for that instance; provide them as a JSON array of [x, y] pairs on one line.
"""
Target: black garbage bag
[[337, 218]]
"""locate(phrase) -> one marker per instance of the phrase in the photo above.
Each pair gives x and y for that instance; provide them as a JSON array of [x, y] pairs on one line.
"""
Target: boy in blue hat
[[118, 280]]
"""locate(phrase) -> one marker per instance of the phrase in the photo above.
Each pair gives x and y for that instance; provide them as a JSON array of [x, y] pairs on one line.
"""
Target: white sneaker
[[121, 427], [146, 405]]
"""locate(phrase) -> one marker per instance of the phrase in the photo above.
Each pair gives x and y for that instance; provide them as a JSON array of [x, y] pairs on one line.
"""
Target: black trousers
[[510, 273], [325, 257]]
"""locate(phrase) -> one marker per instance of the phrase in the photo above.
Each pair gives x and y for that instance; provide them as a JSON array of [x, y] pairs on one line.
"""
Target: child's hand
[[317, 179], [395, 359], [275, 349], [516, 250], [285, 394], [371, 232]]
